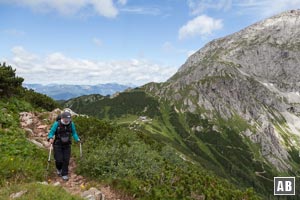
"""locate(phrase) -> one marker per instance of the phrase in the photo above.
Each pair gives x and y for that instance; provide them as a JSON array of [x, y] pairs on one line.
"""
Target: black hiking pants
[[62, 155]]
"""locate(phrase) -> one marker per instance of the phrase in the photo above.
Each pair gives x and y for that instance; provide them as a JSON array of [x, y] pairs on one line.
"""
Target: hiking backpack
[[63, 132]]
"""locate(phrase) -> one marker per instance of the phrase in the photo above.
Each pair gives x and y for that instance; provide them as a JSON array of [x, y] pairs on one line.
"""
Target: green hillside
[[133, 161], [130, 160], [125, 103], [215, 145]]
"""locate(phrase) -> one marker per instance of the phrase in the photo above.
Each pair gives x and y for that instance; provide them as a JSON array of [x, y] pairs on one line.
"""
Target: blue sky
[[123, 41]]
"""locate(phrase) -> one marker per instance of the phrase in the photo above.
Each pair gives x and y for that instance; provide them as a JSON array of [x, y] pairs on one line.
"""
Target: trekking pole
[[80, 148], [49, 158]]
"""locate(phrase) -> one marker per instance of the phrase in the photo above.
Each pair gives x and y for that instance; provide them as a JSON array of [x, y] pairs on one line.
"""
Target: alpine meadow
[[222, 127]]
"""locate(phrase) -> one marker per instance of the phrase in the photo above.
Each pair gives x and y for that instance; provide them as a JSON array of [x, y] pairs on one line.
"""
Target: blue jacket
[[54, 127]]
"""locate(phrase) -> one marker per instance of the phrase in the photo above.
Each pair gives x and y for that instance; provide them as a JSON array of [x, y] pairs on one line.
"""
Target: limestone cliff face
[[254, 73], [268, 50]]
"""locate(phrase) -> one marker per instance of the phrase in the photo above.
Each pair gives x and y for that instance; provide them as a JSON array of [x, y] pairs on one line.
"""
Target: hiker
[[62, 129]]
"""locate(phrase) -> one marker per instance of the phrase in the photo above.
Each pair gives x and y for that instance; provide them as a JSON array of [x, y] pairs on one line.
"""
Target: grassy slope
[[37, 191], [133, 161], [135, 153], [22, 164], [223, 151]]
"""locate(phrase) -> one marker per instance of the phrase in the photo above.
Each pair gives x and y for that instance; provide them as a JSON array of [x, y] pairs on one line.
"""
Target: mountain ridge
[[65, 91], [240, 74], [278, 31]]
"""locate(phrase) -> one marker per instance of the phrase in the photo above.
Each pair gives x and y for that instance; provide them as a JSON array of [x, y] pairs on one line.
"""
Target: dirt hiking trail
[[37, 126]]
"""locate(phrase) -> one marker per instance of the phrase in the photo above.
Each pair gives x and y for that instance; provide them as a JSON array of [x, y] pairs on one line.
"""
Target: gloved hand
[[50, 140]]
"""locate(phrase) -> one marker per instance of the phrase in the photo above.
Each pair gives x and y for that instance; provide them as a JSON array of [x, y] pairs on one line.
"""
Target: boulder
[[92, 194]]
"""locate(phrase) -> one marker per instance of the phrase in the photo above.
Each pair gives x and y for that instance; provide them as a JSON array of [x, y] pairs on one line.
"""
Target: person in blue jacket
[[60, 136]]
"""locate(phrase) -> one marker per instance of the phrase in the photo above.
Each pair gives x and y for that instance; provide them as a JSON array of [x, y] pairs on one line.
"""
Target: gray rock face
[[268, 51], [254, 73]]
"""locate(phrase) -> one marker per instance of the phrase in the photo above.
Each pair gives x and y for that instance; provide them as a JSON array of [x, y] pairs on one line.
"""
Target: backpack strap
[[60, 125]]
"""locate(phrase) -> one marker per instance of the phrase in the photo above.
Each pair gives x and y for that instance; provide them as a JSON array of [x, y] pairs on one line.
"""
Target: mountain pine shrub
[[121, 157]]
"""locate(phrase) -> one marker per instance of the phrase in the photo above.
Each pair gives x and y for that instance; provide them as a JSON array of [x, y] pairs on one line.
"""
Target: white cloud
[[199, 6], [142, 10], [58, 68], [200, 26], [106, 8], [24, 56], [262, 8], [266, 8], [122, 2]]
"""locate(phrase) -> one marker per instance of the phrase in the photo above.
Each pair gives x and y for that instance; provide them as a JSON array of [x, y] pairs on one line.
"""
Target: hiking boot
[[65, 178], [58, 172]]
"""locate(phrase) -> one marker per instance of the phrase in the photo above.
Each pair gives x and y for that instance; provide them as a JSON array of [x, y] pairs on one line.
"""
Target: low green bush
[[20, 160], [122, 157], [40, 100]]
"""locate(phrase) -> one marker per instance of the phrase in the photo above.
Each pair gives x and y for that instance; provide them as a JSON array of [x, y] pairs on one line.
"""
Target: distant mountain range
[[65, 92]]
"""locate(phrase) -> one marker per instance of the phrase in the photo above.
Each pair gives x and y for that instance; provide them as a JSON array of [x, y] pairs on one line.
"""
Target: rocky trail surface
[[37, 126]]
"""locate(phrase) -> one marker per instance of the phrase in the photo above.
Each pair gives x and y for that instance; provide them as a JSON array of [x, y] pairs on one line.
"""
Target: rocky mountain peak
[[267, 50], [253, 73]]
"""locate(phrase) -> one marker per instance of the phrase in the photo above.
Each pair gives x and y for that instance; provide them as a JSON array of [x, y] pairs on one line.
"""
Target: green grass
[[225, 152], [288, 139], [17, 153], [135, 102], [22, 163], [16, 161], [37, 191], [137, 163], [126, 120]]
